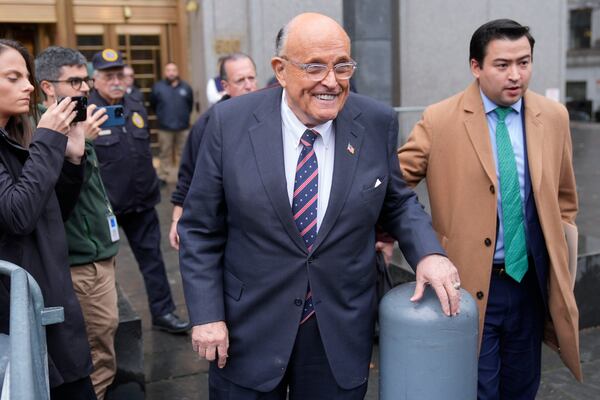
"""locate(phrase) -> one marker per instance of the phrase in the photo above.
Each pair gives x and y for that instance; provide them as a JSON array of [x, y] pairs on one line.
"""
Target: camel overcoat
[[450, 147]]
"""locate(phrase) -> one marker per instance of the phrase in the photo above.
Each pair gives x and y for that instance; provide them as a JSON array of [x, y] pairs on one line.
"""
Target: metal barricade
[[25, 375]]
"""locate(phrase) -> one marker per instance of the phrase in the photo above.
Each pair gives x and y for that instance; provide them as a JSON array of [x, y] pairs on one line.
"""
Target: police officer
[[132, 185]]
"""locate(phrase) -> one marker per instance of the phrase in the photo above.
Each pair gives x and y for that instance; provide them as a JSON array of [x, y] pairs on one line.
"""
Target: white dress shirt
[[324, 147]]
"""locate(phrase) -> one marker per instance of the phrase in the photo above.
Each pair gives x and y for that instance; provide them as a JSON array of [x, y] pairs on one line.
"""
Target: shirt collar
[[297, 128], [490, 106]]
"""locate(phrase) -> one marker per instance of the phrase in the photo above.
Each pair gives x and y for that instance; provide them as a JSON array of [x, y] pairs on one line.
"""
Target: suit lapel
[[478, 130], [534, 134], [348, 134], [267, 143]]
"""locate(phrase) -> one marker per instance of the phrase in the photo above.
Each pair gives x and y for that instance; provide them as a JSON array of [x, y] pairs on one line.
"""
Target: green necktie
[[515, 250]]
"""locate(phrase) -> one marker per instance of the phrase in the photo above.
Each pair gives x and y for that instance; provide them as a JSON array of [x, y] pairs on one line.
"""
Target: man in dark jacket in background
[[132, 186], [238, 77], [172, 100]]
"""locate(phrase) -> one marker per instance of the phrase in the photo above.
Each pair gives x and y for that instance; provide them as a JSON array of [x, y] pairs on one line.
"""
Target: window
[[580, 29], [576, 90]]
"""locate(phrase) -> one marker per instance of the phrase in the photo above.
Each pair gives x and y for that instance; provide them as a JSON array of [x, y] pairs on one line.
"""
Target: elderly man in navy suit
[[278, 230]]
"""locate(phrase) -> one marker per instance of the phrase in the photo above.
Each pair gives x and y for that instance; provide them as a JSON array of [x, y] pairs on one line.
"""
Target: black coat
[[38, 188]]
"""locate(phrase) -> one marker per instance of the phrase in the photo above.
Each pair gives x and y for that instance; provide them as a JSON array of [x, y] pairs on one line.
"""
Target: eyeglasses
[[77, 82], [318, 72]]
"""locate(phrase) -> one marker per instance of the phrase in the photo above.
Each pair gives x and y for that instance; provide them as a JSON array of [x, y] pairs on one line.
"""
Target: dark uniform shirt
[[125, 159], [172, 104]]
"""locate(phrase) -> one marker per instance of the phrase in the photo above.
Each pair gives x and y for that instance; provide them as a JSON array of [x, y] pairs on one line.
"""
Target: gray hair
[[49, 62], [232, 57], [280, 40]]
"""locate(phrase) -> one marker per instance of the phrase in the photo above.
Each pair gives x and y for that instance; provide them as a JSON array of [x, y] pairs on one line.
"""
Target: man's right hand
[[59, 116], [173, 236], [211, 341]]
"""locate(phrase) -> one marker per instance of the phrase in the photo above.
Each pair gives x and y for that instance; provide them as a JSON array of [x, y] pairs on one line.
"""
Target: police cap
[[107, 58]]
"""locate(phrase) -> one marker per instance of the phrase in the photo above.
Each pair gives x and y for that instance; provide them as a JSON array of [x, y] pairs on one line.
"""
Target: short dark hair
[[231, 57], [19, 127], [496, 29], [49, 62]]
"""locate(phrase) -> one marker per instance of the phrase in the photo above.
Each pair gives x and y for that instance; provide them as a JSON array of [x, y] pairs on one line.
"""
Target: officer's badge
[[137, 120], [110, 55]]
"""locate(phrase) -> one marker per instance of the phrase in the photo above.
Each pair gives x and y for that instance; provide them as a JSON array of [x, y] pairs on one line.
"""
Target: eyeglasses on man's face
[[76, 83], [318, 72]]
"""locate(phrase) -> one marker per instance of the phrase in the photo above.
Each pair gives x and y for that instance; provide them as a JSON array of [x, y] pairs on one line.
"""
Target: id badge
[[113, 227]]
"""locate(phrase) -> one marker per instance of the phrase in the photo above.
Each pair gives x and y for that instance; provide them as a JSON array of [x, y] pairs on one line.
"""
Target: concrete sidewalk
[[173, 371]]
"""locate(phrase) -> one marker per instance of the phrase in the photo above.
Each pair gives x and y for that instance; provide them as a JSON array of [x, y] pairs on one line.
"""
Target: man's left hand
[[439, 272], [95, 118], [387, 249]]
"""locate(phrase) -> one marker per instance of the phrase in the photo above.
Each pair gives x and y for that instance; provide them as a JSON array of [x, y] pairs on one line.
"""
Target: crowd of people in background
[[259, 255]]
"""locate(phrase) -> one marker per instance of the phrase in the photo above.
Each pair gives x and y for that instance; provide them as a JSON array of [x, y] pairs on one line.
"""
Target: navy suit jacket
[[243, 260]]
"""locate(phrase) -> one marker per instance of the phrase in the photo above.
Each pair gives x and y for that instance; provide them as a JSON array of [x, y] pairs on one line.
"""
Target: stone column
[[371, 25]]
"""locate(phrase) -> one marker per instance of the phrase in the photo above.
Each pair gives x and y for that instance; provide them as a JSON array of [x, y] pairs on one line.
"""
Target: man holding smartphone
[[132, 185], [92, 233]]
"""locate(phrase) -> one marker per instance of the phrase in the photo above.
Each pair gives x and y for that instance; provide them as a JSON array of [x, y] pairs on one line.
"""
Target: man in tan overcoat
[[498, 164]]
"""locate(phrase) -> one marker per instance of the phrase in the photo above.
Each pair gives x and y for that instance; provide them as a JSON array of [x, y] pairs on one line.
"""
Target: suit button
[[480, 295], [298, 302], [492, 189], [488, 242], [310, 260]]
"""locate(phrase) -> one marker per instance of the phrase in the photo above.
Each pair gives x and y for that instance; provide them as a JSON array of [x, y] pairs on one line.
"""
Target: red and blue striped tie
[[304, 203]]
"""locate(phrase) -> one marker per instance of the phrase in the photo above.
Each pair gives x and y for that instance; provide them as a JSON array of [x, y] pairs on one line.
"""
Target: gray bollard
[[425, 355]]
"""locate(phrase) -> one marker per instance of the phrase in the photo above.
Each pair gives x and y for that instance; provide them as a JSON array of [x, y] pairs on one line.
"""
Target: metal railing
[[25, 370]]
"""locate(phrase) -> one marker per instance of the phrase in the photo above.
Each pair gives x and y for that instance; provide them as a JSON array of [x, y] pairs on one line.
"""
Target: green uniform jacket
[[88, 233]]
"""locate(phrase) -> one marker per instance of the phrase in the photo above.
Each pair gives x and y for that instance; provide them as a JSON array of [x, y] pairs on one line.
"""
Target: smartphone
[[80, 107], [115, 116]]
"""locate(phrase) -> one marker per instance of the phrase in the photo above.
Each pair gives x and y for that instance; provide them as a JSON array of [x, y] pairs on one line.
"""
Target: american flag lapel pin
[[350, 149]]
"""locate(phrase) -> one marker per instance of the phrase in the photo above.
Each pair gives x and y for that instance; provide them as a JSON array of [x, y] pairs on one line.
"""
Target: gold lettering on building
[[226, 46]]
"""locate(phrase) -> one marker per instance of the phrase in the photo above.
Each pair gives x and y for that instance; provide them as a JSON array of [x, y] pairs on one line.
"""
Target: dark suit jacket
[[243, 260]]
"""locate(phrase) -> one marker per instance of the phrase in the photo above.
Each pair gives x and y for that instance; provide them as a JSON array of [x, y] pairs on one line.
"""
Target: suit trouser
[[308, 375], [143, 233], [510, 355], [95, 288], [171, 146]]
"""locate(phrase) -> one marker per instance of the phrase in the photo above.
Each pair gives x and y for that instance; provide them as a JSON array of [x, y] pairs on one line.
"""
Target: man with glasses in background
[[132, 185], [278, 228], [238, 77], [93, 246]]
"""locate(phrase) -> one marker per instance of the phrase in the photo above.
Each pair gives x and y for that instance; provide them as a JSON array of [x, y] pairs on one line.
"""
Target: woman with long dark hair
[[40, 176]]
